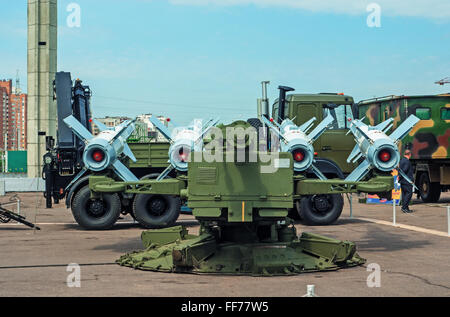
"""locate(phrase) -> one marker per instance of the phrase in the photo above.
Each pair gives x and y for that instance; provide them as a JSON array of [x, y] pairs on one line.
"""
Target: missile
[[294, 139], [183, 142], [104, 150], [379, 150]]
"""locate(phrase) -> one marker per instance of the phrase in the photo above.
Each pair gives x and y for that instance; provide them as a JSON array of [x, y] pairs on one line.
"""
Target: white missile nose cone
[[303, 158], [180, 156], [386, 159], [96, 158]]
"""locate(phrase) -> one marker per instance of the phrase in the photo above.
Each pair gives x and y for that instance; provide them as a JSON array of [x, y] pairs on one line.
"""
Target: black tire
[[429, 192], [129, 209], [320, 210], [95, 214], [294, 213], [156, 211]]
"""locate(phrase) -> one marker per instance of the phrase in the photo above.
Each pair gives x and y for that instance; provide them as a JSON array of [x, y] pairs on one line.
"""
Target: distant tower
[[42, 47], [17, 89]]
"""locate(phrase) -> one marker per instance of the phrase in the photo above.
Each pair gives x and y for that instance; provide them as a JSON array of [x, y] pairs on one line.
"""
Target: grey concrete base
[[21, 185]]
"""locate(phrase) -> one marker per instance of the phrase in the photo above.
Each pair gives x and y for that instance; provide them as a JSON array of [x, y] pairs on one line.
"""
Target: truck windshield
[[341, 114]]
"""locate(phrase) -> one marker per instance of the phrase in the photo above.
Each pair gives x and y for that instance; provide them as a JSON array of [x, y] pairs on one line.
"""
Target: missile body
[[104, 150], [379, 150], [297, 142], [294, 139], [183, 141]]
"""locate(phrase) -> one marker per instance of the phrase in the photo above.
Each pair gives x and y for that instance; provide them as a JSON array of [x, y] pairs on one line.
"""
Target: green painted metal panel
[[17, 161], [151, 154]]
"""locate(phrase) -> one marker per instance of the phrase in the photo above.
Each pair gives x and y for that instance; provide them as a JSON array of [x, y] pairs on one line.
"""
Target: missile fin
[[211, 123], [123, 172], [318, 173], [359, 172], [358, 125], [125, 130], [161, 128], [78, 128], [407, 178], [127, 151], [317, 132], [357, 158], [165, 173], [385, 125], [307, 125], [101, 126], [404, 128], [355, 153], [272, 127]]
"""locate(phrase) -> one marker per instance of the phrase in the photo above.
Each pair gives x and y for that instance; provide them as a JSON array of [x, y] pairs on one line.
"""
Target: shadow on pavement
[[377, 239], [123, 246]]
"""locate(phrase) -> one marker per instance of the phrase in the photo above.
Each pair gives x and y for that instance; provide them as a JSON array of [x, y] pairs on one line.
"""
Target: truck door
[[335, 144], [304, 112]]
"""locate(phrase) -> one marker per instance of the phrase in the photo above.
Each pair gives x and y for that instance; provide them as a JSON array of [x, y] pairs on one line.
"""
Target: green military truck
[[428, 141]]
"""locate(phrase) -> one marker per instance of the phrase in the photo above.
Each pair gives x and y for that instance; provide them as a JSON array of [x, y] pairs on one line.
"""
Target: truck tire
[[320, 210], [293, 213], [95, 214], [156, 211], [429, 192]]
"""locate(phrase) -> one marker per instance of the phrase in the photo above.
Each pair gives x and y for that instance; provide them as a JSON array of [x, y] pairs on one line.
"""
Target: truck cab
[[333, 147]]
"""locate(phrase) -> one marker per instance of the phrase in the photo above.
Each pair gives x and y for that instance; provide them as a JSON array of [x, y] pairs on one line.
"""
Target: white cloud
[[435, 9]]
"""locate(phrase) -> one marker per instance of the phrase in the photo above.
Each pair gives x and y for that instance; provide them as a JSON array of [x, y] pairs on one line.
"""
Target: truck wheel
[[293, 213], [95, 214], [320, 209], [429, 192], [156, 211]]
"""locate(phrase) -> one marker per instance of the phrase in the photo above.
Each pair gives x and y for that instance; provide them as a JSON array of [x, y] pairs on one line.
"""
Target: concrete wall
[[21, 185], [42, 63]]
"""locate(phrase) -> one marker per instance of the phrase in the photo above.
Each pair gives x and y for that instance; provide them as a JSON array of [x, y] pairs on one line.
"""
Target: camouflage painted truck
[[428, 141]]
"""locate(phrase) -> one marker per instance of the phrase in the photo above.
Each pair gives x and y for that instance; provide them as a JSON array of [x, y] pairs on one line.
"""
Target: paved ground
[[34, 263]]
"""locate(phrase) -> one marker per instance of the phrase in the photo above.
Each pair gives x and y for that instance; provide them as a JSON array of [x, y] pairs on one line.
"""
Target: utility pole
[[42, 62]]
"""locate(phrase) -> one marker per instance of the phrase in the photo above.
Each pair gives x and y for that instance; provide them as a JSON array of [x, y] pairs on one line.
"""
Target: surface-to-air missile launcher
[[428, 141], [243, 208], [157, 204]]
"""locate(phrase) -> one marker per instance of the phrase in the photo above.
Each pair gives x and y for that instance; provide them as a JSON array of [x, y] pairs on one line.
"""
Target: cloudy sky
[[201, 58]]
